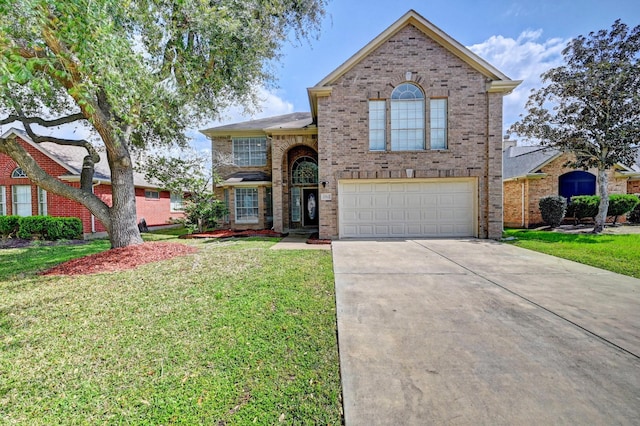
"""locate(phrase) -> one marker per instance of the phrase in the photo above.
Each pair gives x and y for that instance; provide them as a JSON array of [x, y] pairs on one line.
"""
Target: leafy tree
[[591, 105], [137, 74], [188, 175]]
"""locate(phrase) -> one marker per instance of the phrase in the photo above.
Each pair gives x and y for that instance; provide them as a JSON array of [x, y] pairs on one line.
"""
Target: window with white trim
[[42, 202], [250, 151], [377, 125], [151, 195], [176, 202], [21, 195], [407, 118], [18, 173], [438, 113], [246, 205], [3, 200]]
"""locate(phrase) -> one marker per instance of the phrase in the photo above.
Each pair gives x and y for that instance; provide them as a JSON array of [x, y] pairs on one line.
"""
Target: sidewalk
[[298, 242]]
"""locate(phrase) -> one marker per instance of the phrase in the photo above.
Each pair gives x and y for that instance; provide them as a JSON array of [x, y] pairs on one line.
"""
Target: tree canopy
[[590, 106], [137, 73]]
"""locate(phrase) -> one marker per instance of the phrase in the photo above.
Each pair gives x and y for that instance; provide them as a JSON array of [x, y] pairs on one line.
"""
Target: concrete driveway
[[478, 332]]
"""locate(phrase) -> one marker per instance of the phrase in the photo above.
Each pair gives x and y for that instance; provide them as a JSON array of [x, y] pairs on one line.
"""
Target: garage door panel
[[430, 208]]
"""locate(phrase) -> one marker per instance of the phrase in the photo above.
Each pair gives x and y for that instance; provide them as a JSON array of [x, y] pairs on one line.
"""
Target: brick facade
[[472, 152], [411, 51], [155, 211], [522, 196]]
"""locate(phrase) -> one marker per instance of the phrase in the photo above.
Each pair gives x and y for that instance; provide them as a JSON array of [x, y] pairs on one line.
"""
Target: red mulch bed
[[230, 233], [120, 259]]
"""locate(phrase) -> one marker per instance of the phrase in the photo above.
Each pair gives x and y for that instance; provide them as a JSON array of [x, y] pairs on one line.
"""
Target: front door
[[310, 207]]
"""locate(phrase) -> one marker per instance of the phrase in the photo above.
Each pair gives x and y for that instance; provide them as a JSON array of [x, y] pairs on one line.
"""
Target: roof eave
[[528, 176]]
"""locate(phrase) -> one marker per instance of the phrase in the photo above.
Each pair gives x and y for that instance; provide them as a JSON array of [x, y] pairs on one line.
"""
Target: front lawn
[[617, 253], [234, 334]]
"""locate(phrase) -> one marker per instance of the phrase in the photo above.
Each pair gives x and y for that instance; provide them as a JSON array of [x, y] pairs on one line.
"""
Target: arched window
[[18, 173], [304, 171], [407, 118], [576, 183]]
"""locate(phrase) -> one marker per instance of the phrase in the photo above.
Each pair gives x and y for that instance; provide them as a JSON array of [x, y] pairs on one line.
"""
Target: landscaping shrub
[[621, 204], [553, 209], [49, 228], [583, 206], [634, 215], [9, 226]]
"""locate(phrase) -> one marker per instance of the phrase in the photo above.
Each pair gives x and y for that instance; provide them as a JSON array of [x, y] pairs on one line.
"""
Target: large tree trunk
[[124, 226], [603, 190]]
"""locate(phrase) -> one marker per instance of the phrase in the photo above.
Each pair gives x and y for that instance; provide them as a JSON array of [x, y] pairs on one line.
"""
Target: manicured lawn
[[617, 253], [234, 334]]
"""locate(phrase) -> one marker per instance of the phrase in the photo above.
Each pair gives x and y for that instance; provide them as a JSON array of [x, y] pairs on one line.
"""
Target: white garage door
[[410, 208]]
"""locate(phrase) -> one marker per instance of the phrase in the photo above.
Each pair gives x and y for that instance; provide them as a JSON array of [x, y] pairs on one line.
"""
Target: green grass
[[617, 253], [234, 334]]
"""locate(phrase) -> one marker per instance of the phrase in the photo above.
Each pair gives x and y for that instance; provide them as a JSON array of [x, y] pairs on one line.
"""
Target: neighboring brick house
[[533, 172], [403, 140], [19, 196]]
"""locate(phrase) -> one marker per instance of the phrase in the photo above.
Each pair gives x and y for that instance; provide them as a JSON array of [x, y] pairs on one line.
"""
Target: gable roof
[[526, 161], [498, 82], [71, 159], [293, 121]]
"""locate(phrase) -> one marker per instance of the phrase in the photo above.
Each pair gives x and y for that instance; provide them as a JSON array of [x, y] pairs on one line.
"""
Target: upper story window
[[407, 118], [438, 112], [250, 151], [18, 173], [377, 125]]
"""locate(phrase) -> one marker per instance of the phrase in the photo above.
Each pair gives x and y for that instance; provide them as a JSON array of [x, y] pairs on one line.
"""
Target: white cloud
[[270, 105], [524, 58]]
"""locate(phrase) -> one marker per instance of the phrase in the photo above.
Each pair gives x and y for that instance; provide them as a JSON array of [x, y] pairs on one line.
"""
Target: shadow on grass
[[559, 237]]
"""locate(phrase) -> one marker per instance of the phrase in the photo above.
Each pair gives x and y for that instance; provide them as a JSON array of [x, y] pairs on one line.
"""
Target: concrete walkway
[[477, 332]]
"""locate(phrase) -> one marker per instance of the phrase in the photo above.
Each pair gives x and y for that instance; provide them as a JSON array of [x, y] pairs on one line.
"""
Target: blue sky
[[521, 38]]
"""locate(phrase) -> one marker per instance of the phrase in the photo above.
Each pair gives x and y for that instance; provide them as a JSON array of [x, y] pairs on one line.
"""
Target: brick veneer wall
[[633, 187], [155, 212], [475, 126]]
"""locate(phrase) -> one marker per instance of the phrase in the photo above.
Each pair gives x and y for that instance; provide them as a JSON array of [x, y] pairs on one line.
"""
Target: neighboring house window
[[377, 125], [576, 183], [304, 171], [18, 173], [152, 195], [176, 202], [3, 200], [246, 205], [438, 112], [42, 202], [21, 200], [407, 118], [250, 151]]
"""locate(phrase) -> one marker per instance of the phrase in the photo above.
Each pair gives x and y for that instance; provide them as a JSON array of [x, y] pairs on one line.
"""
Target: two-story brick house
[[404, 139]]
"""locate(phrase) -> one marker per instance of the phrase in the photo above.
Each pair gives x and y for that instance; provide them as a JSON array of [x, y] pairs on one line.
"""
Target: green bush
[[9, 226], [634, 215], [50, 228], [583, 206], [621, 204], [553, 209]]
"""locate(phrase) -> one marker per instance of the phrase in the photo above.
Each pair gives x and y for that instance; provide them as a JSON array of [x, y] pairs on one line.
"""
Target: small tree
[[189, 177], [591, 105], [553, 209]]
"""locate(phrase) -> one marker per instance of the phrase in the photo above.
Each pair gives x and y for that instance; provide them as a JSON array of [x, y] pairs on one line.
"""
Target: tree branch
[[42, 122]]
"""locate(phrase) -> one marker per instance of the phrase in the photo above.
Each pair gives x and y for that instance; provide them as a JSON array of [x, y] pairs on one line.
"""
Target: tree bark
[[603, 189]]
